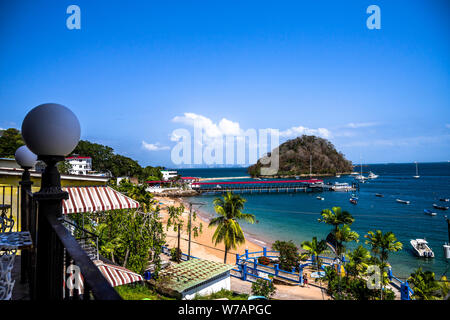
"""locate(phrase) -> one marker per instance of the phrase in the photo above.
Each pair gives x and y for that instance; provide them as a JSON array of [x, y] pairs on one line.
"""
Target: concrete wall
[[223, 282]]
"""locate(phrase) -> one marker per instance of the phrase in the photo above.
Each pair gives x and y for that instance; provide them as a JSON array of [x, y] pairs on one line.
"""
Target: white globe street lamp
[[25, 158], [51, 129]]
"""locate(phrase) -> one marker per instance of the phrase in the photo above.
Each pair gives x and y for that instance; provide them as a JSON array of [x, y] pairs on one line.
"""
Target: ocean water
[[293, 216]]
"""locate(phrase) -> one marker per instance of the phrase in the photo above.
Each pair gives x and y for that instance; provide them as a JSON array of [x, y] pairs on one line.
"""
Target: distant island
[[297, 154]]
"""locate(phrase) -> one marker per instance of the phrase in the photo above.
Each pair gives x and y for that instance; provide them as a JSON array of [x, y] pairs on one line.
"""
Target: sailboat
[[417, 172], [360, 177]]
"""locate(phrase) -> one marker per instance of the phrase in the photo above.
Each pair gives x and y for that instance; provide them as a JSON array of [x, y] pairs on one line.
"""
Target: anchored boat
[[402, 201], [320, 198], [444, 199], [429, 212], [379, 195], [439, 207], [421, 248], [372, 175]]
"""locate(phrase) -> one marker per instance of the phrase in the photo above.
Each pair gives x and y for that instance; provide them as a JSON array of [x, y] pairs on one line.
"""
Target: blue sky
[[137, 70]]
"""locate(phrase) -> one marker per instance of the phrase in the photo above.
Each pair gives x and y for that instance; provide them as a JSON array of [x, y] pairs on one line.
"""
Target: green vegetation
[[10, 140], [426, 287], [381, 245], [103, 157], [138, 291], [289, 256], [294, 158], [105, 160], [130, 238], [228, 229], [230, 295], [263, 288], [341, 221]]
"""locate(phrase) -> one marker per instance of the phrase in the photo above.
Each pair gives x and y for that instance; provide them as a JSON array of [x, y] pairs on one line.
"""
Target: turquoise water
[[293, 216]]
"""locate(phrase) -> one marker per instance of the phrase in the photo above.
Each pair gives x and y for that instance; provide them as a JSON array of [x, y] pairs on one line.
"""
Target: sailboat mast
[[310, 166]]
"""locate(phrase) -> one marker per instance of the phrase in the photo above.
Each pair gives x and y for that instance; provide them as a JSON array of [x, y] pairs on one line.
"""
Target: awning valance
[[94, 199], [116, 275]]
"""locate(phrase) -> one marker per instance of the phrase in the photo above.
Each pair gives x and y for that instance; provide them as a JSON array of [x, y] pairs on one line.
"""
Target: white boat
[[360, 176], [429, 212], [402, 201], [338, 176], [417, 173], [421, 248], [372, 175], [341, 186], [320, 198]]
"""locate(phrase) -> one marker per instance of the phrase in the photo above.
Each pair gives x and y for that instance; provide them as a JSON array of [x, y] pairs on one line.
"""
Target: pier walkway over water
[[262, 186]]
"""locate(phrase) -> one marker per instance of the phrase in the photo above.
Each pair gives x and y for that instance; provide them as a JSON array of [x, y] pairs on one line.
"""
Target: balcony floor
[[20, 290]]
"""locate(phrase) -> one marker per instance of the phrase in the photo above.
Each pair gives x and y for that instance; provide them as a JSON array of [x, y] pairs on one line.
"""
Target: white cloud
[[154, 147], [356, 125], [227, 127]]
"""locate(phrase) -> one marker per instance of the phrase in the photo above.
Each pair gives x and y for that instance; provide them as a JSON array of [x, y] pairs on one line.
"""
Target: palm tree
[[176, 221], [344, 234], [358, 261], [229, 208], [337, 217], [315, 248], [382, 245], [425, 285]]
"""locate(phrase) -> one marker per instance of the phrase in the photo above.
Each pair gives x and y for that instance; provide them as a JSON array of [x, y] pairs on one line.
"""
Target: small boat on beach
[[439, 207], [421, 248], [320, 198], [379, 195], [429, 212], [402, 201]]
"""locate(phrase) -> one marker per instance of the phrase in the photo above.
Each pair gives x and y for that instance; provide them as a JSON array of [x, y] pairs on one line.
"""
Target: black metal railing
[[66, 251]]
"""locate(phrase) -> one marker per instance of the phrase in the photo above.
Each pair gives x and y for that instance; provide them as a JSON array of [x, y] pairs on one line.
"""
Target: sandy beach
[[203, 247]]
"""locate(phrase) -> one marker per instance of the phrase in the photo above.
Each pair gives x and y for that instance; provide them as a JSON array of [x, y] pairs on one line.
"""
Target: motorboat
[[429, 212], [402, 201], [341, 186], [353, 200], [439, 207], [421, 248], [320, 198], [444, 199], [338, 176], [372, 175], [379, 195]]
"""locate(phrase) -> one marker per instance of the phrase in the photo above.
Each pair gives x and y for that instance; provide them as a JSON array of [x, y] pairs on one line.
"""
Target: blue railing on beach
[[249, 269]]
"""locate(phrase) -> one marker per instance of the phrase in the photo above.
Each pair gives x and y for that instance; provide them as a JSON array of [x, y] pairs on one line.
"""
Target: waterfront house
[[195, 276]]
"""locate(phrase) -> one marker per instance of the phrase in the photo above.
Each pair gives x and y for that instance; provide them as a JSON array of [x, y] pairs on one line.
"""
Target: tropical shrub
[[263, 288], [175, 254], [264, 261], [289, 256]]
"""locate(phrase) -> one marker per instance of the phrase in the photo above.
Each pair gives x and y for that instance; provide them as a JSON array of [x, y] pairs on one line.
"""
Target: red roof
[[78, 157], [260, 182]]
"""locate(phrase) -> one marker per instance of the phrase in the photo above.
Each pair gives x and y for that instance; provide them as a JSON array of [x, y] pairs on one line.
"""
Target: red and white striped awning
[[94, 199], [116, 275]]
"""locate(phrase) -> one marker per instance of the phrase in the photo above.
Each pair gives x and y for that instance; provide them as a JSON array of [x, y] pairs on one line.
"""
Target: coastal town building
[[197, 277], [80, 165], [169, 174]]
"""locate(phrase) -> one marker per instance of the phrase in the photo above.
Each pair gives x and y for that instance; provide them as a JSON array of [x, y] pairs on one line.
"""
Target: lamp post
[[26, 160], [51, 131]]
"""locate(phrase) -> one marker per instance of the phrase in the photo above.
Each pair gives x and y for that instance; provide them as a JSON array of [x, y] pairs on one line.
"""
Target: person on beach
[[305, 280]]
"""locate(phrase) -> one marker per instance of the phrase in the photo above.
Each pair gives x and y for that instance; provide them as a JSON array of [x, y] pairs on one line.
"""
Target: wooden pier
[[271, 186]]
